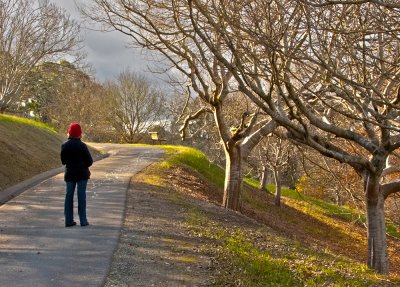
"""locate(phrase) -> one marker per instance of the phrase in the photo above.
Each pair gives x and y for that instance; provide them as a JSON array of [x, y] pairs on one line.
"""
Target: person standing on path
[[76, 157]]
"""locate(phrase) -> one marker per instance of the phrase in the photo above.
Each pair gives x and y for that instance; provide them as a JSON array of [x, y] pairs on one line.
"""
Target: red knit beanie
[[74, 130]]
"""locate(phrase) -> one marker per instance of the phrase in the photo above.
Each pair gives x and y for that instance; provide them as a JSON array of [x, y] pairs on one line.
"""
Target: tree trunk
[[377, 243], [264, 179], [338, 198], [278, 186], [233, 179]]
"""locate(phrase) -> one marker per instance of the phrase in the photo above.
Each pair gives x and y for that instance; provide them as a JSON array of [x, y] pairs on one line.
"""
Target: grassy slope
[[27, 148], [312, 243]]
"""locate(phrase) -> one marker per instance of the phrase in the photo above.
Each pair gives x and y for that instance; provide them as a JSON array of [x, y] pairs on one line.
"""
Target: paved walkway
[[35, 247]]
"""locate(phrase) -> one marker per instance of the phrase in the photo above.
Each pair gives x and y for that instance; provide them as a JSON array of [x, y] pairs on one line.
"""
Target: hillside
[[27, 148], [302, 244]]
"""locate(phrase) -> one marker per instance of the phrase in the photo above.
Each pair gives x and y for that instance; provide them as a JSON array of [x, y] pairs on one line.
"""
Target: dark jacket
[[77, 159]]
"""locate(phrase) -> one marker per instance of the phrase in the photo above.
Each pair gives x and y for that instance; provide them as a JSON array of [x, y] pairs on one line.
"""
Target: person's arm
[[88, 157], [62, 155]]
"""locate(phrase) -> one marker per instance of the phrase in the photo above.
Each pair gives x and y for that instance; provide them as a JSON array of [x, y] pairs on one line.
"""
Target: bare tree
[[334, 71], [274, 152], [136, 106], [71, 95], [30, 33], [330, 180], [165, 28]]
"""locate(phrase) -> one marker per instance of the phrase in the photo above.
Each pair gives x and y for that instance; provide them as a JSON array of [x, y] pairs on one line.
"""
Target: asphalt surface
[[35, 247]]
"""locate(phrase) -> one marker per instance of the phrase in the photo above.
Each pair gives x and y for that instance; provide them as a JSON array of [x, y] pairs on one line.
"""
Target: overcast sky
[[107, 52]]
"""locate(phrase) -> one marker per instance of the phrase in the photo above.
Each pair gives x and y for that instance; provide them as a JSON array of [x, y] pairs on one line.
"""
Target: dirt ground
[[156, 247]]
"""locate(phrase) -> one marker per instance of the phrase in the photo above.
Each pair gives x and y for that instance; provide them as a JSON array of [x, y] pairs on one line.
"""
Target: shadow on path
[[35, 247]]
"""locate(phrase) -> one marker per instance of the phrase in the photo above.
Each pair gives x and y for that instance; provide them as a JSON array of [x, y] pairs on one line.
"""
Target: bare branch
[[184, 106], [189, 118], [390, 188], [390, 169], [322, 3]]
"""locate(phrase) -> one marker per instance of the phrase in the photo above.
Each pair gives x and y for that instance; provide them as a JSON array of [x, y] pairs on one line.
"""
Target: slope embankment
[[27, 148]]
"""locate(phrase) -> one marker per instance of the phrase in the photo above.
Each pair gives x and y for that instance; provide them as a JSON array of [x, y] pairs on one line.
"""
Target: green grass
[[249, 257], [317, 207], [257, 268], [340, 212], [300, 267], [196, 160], [25, 121], [393, 229]]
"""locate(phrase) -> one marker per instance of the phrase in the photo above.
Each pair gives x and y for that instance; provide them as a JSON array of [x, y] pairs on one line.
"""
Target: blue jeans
[[69, 202]]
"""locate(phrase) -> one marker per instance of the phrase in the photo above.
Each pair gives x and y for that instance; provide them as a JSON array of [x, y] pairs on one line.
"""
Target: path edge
[[15, 190]]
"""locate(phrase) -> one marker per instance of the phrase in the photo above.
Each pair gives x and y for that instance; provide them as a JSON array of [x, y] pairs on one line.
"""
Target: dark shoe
[[70, 225], [85, 224]]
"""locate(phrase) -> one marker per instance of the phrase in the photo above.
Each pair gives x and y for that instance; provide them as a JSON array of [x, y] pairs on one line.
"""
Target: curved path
[[35, 247]]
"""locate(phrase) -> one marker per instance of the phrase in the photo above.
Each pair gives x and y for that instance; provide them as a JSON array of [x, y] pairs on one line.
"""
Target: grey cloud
[[107, 52]]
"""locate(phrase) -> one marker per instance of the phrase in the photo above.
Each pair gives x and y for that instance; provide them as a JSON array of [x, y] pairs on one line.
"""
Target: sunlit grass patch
[[10, 118], [152, 175], [330, 213], [291, 265], [196, 160], [155, 180], [253, 258], [322, 210], [187, 259], [252, 182], [393, 229], [257, 268]]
